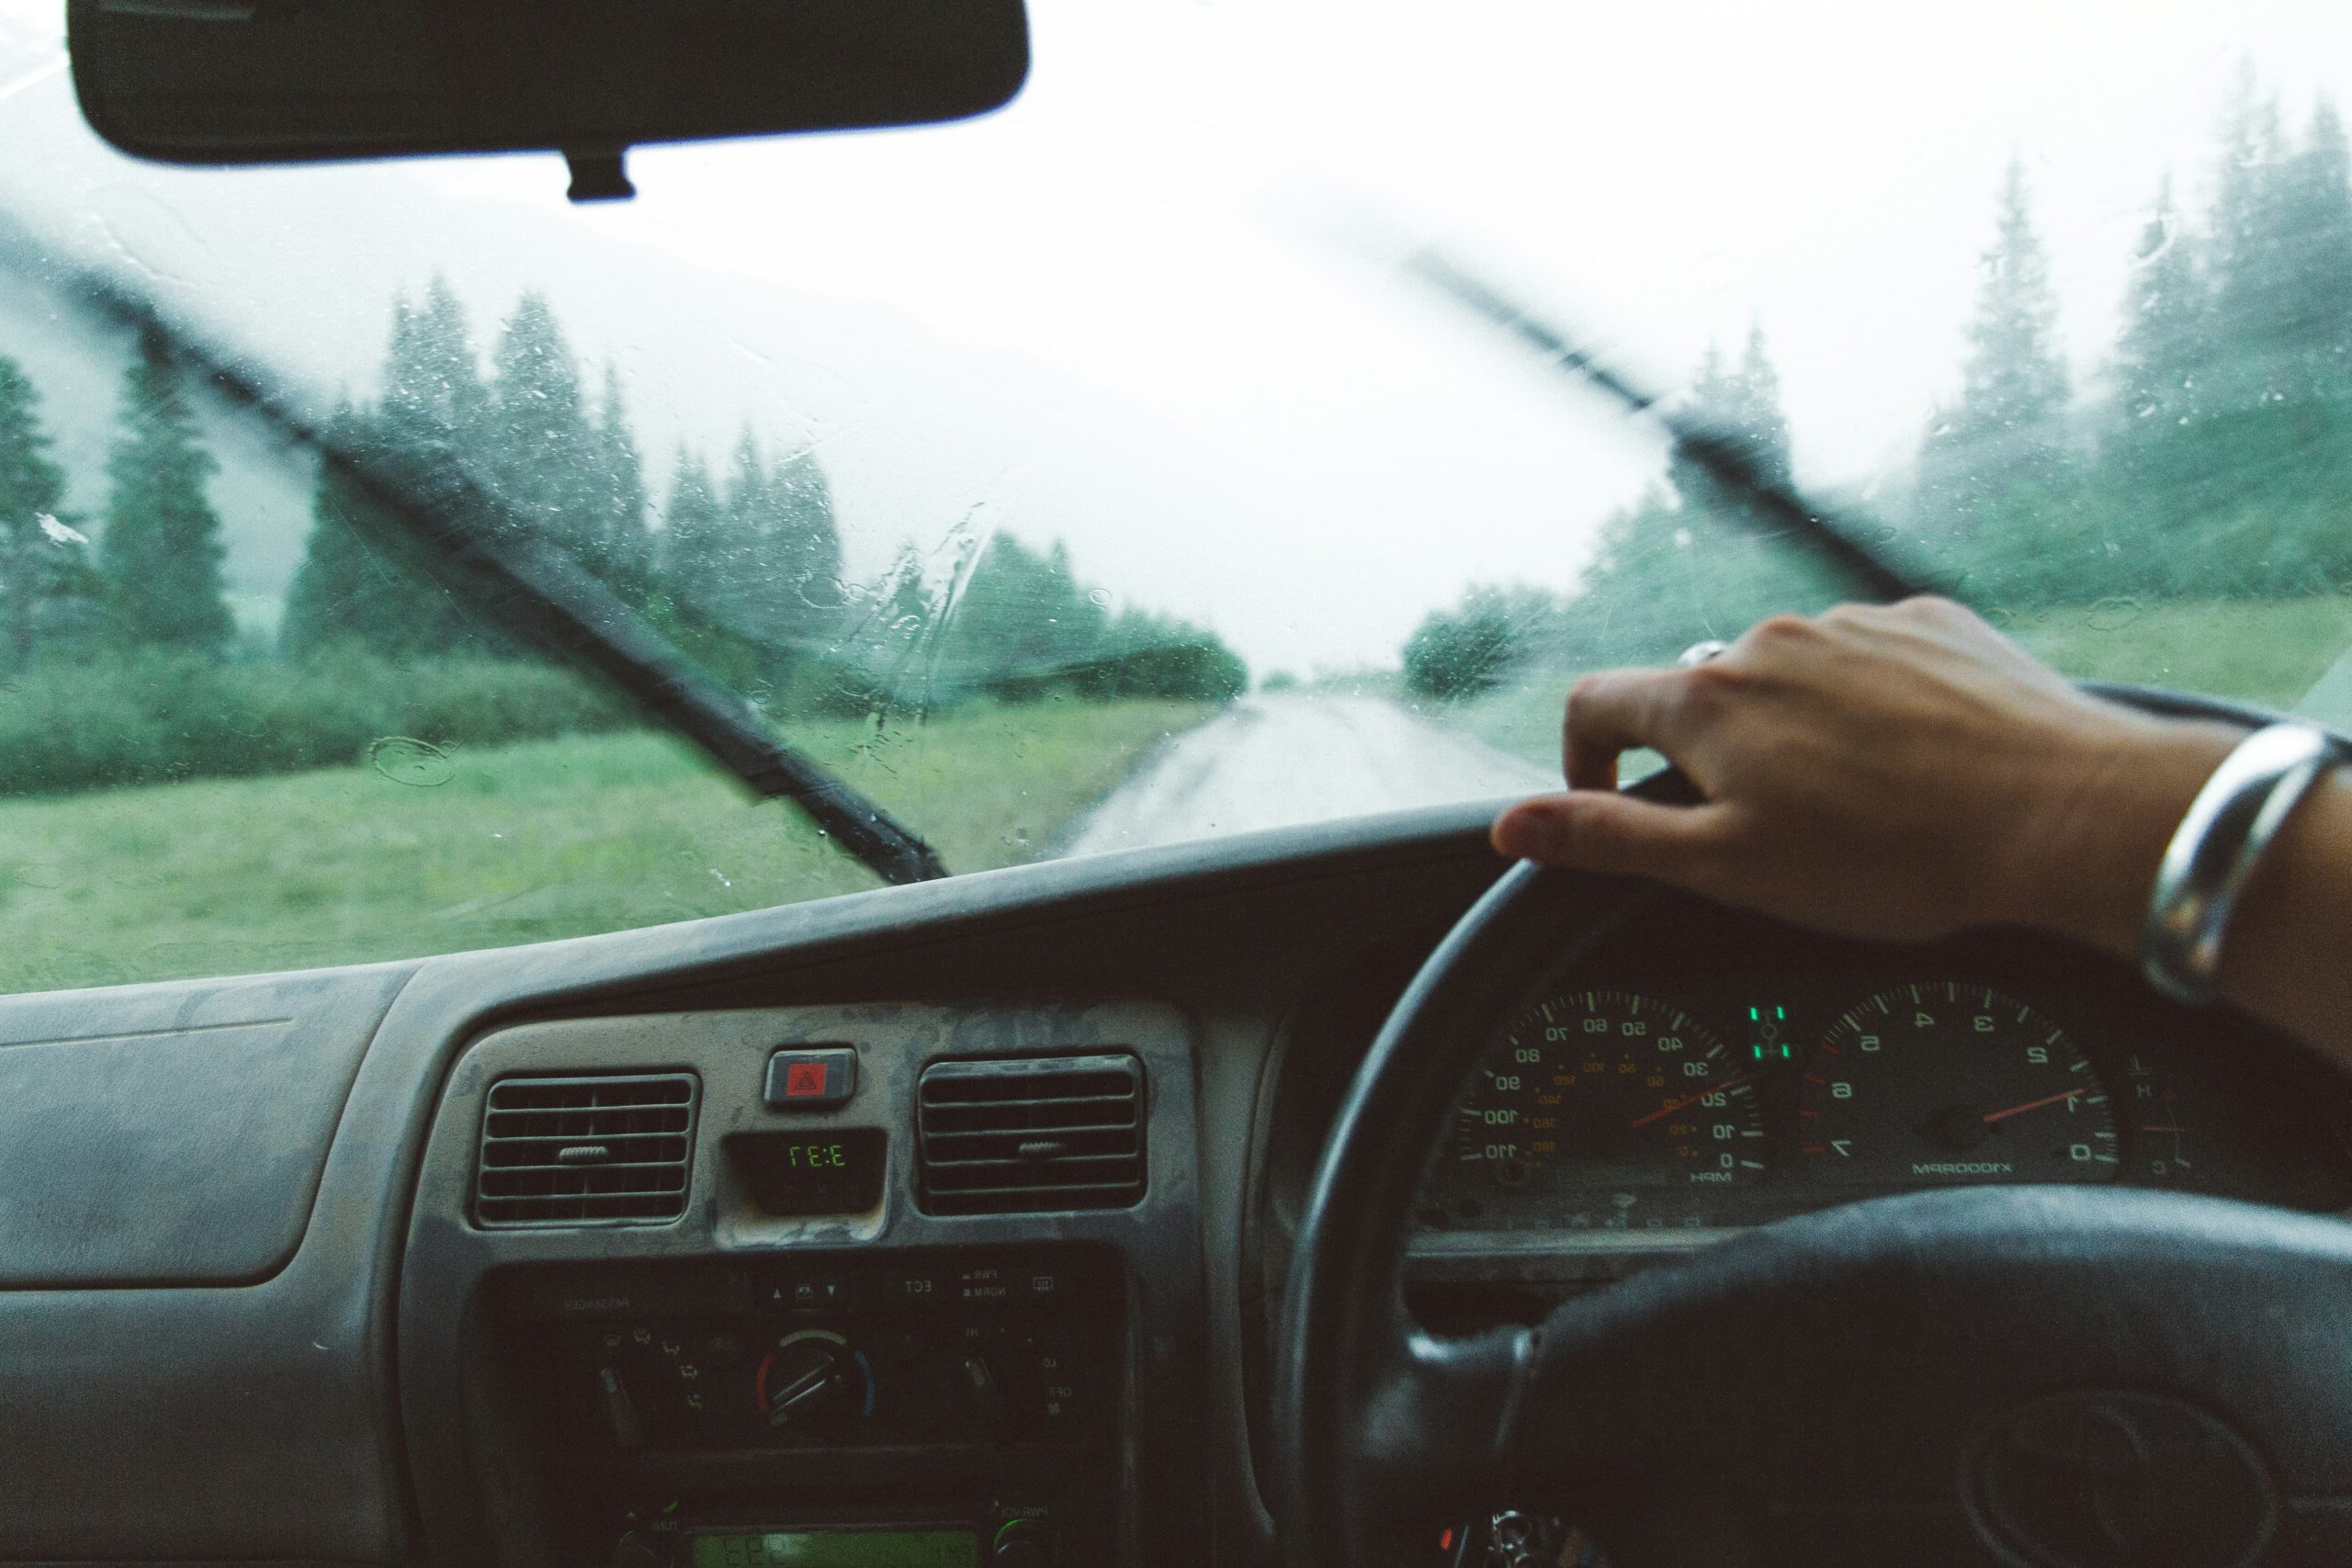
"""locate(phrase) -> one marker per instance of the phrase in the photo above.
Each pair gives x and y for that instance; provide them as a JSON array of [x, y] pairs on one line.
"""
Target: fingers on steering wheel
[[1604, 831], [1613, 712]]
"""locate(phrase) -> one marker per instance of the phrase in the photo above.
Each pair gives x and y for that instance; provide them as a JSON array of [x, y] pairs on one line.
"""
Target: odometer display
[[1591, 1098]]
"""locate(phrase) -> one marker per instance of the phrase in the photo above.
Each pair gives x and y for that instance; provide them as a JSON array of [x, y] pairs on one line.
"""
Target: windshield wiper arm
[[1772, 504], [523, 582]]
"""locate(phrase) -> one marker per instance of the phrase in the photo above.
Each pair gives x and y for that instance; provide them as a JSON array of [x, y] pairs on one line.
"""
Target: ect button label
[[811, 1080]]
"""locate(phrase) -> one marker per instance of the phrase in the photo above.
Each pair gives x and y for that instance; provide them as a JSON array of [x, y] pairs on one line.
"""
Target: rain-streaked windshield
[[1080, 478]]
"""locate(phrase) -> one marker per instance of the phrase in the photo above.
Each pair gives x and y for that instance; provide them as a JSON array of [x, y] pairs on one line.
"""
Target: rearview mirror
[[285, 81]]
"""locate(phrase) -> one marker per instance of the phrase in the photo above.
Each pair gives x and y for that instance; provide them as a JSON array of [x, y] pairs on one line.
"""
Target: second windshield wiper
[[1769, 501], [521, 581]]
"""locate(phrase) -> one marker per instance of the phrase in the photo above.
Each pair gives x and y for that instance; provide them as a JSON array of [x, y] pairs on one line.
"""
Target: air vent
[[1030, 1136], [566, 1151]]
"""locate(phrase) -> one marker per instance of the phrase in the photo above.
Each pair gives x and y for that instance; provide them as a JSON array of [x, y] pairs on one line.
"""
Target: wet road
[[1274, 761]]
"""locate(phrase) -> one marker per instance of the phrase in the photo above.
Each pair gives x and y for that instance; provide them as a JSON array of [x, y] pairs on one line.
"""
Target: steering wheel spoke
[[1438, 1420]]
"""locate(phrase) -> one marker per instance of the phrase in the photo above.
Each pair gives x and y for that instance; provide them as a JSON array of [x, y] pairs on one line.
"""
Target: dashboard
[[368, 1252], [1707, 1072]]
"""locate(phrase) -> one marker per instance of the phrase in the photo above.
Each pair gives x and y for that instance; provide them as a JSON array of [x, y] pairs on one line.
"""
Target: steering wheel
[[2035, 1376]]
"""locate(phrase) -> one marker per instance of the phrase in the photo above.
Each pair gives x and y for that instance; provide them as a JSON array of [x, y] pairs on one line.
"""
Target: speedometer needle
[[1671, 1106], [2034, 1105]]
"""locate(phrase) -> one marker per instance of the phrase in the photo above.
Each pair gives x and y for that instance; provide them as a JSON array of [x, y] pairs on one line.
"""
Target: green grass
[[2267, 651], [521, 844]]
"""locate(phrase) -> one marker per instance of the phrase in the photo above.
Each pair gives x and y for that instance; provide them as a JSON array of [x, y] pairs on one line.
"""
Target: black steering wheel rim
[[1382, 1430]]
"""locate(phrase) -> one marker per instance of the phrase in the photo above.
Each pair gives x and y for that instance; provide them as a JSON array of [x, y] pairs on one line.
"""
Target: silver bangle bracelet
[[2220, 840]]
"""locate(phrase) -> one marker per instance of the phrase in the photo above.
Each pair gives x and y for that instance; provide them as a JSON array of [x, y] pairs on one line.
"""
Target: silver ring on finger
[[1698, 653]]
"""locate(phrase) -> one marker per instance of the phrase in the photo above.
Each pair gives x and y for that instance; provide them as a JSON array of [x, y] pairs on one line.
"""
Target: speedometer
[[1599, 1091]]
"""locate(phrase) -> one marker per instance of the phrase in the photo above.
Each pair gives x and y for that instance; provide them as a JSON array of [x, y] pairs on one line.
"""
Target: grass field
[[2268, 653], [519, 844]]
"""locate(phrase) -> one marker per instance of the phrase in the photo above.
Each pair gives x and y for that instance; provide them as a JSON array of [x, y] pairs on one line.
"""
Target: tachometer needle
[[2033, 1104], [1671, 1106]]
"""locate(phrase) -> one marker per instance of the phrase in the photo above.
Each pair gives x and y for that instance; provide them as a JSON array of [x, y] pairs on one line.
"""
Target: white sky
[[1089, 313]]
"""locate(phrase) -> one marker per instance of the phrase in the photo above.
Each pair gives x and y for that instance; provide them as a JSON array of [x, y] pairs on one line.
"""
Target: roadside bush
[[1459, 653], [151, 717]]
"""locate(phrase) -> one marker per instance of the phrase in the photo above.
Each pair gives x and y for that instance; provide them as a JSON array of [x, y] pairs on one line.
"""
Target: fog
[[1089, 317]]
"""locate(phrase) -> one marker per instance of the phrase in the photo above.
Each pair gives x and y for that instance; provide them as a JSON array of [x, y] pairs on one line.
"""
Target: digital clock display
[[837, 1548], [836, 1171]]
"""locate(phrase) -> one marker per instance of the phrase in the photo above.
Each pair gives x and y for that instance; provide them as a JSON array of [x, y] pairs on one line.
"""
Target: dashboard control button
[[811, 1080], [1022, 1543], [811, 1380], [628, 1432], [984, 1285], [1044, 1283], [1049, 1372], [915, 1288], [633, 1550], [984, 1395]]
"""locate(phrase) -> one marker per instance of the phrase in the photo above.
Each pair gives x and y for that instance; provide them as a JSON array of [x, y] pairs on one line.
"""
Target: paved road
[[1274, 761]]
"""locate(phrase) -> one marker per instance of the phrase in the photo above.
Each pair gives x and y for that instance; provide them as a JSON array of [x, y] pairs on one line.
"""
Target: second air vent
[[1032, 1135], [616, 1147]]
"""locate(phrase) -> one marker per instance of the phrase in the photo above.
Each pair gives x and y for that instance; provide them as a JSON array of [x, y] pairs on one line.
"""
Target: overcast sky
[[1093, 315]]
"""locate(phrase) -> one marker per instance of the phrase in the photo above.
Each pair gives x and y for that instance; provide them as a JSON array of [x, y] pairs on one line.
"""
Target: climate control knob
[[812, 1380], [1022, 1543]]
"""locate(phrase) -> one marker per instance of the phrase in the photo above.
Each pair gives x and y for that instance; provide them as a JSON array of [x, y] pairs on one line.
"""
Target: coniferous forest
[[126, 665], [2208, 457]]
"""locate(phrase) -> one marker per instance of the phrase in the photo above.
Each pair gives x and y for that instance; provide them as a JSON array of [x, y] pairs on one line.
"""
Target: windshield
[[1089, 476]]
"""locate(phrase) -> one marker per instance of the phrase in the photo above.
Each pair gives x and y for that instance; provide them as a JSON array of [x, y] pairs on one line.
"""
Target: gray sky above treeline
[[1091, 316]]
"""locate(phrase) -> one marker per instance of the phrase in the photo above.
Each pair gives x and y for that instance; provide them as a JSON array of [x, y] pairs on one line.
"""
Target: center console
[[914, 1410], [853, 1286]]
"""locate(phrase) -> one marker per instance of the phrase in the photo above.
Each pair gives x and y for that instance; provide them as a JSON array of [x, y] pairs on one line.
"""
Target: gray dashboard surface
[[173, 1133], [148, 1414], [190, 1336]]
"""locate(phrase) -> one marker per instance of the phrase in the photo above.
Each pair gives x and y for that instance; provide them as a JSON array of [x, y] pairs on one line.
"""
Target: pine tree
[[2313, 261], [162, 555], [1991, 465], [359, 582], [1759, 417], [2014, 387], [46, 586], [433, 387], [623, 553], [773, 571], [538, 448], [2161, 350], [1710, 403], [2272, 449], [807, 550], [2249, 352], [1742, 405], [1022, 625], [693, 545]]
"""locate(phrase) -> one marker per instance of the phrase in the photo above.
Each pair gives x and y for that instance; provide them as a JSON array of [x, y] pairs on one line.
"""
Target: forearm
[[2287, 954]]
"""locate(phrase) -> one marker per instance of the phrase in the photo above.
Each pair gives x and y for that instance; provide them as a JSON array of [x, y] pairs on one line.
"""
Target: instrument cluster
[[1689, 1097]]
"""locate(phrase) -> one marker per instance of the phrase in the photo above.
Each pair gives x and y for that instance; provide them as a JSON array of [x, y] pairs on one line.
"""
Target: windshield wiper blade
[[525, 582], [1772, 506], [520, 582]]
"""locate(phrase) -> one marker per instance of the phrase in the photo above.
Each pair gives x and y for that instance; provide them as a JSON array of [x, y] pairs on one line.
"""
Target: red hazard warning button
[[808, 1080]]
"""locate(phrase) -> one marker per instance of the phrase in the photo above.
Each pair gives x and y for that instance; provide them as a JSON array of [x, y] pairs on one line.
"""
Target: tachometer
[[1950, 1083], [1599, 1091]]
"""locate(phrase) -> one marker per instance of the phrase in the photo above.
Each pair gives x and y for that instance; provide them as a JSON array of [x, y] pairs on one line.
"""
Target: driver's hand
[[1892, 772]]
